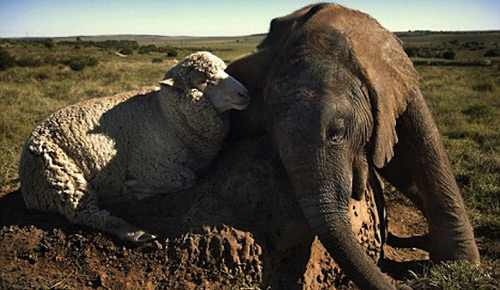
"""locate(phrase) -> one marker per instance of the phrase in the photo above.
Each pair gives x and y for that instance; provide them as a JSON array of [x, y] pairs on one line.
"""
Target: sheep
[[141, 143]]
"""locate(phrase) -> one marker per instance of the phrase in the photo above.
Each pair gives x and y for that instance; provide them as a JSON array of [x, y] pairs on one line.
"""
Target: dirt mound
[[238, 227]]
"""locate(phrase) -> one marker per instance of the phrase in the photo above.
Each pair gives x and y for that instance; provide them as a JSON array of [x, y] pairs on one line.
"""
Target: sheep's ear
[[167, 82], [198, 79]]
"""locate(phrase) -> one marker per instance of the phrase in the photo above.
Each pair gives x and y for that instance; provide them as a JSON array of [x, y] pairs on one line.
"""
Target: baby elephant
[[140, 143]]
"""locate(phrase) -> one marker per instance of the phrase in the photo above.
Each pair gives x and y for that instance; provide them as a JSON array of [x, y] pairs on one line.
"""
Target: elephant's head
[[319, 108]]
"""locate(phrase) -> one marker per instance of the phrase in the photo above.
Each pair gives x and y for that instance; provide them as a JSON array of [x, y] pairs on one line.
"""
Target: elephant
[[340, 98]]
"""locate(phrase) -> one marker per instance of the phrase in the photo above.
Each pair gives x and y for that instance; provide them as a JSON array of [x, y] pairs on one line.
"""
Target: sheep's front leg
[[173, 179], [102, 219], [83, 209]]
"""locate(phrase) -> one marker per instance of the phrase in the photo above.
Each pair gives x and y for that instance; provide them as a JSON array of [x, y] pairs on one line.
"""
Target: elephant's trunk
[[325, 204]]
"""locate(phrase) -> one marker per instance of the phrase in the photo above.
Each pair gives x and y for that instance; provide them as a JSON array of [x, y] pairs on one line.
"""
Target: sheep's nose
[[244, 93]]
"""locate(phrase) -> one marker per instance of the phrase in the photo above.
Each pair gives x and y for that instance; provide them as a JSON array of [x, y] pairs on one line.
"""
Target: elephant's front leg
[[422, 171]]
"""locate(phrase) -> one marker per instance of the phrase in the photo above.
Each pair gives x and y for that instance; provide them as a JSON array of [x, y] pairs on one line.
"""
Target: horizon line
[[229, 36]]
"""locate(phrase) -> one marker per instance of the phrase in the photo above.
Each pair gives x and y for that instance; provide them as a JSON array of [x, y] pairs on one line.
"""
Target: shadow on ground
[[238, 227]]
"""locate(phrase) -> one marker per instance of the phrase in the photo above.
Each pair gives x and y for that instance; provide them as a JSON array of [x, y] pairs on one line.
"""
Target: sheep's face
[[224, 91], [205, 73]]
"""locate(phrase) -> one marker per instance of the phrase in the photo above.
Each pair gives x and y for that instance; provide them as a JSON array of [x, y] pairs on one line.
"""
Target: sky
[[52, 18]]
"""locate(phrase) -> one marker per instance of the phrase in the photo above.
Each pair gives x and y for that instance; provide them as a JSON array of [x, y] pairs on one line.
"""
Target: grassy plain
[[465, 100], [30, 94]]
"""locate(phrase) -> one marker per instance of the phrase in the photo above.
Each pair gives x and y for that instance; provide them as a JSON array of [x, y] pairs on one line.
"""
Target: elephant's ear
[[393, 81], [386, 68], [387, 106]]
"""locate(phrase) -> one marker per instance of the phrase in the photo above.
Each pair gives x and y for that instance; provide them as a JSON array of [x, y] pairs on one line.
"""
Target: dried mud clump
[[240, 226], [224, 250]]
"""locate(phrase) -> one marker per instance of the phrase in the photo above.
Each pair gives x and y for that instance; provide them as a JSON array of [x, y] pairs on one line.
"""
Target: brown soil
[[238, 228]]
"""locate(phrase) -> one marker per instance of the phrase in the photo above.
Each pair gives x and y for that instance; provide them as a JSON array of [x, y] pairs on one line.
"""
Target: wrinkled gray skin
[[338, 95]]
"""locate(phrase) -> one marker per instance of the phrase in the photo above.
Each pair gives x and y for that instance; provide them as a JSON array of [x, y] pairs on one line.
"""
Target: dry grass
[[464, 100]]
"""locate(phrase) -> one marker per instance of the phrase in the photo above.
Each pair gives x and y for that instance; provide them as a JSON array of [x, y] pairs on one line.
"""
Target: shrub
[[29, 62], [116, 44], [79, 63], [492, 52], [42, 76], [423, 52], [49, 43], [157, 60], [147, 49], [172, 53], [126, 51], [48, 60], [411, 51], [6, 60], [449, 54]]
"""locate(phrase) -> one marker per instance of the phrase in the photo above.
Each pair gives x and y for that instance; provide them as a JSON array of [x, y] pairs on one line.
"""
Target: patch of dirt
[[238, 228]]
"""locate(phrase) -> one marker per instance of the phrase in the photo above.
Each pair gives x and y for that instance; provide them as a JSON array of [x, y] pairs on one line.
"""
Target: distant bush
[[79, 63], [429, 52], [168, 50], [423, 52], [411, 51], [42, 76], [49, 43], [147, 49], [116, 44], [157, 60], [6, 60], [172, 53], [449, 54], [48, 60], [29, 62], [126, 51], [492, 52]]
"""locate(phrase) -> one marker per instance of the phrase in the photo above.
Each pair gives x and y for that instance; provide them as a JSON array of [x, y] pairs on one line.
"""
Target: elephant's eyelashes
[[336, 133]]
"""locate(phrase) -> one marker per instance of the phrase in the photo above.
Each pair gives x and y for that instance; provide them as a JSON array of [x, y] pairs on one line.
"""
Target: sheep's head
[[202, 75]]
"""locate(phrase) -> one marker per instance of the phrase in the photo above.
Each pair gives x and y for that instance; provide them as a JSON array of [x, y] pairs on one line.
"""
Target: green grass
[[30, 94], [465, 102], [467, 45], [453, 276]]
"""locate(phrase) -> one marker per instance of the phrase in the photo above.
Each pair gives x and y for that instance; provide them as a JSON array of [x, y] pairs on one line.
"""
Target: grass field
[[465, 101]]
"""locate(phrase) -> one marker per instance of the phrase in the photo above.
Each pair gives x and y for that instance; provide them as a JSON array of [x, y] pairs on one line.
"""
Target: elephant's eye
[[336, 132], [335, 135]]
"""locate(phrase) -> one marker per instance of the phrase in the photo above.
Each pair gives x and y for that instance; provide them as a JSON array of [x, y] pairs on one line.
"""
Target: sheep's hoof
[[140, 237]]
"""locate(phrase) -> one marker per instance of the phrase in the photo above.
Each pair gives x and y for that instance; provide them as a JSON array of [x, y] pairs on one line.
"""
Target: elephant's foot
[[421, 242], [454, 245]]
